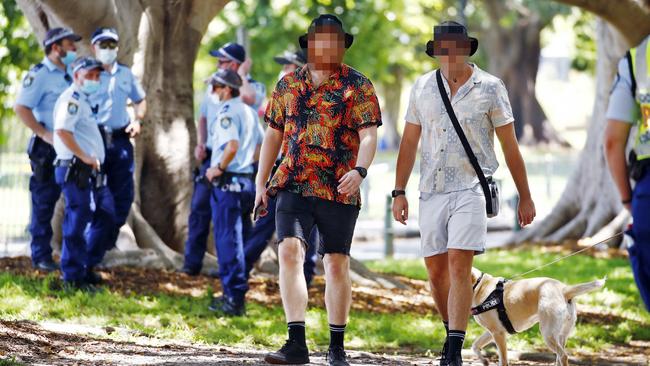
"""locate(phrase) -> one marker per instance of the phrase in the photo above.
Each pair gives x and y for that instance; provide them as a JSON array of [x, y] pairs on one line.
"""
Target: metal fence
[[14, 199]]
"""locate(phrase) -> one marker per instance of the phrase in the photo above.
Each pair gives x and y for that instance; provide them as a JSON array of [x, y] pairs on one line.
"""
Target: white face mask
[[106, 55], [214, 98]]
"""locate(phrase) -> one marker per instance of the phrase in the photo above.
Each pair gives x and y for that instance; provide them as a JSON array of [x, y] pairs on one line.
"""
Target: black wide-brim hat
[[451, 28], [325, 20]]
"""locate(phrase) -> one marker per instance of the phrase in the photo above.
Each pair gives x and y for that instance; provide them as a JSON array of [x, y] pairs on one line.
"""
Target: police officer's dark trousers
[[118, 166], [82, 205], [232, 205], [640, 252], [199, 220], [263, 230], [44, 194]]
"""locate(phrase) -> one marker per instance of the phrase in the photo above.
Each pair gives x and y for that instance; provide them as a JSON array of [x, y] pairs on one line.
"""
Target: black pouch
[[41, 157], [79, 173], [638, 168]]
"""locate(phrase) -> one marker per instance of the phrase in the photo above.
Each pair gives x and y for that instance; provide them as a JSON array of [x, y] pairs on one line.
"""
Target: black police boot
[[80, 285], [93, 277], [336, 356], [291, 353], [216, 303], [455, 360], [190, 271], [47, 266], [230, 307], [444, 359]]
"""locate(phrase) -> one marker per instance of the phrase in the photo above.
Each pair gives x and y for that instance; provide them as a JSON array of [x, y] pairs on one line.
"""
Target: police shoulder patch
[[73, 108], [28, 80], [225, 122]]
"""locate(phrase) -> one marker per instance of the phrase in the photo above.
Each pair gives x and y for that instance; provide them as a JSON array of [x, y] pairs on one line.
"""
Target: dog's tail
[[572, 291]]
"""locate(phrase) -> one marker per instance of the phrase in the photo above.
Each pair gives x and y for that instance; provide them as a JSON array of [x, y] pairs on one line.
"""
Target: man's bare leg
[[460, 298], [293, 289], [438, 270], [338, 295]]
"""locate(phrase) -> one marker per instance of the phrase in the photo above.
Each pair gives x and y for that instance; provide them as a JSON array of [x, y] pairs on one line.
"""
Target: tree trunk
[[392, 93], [590, 206], [514, 57], [590, 200]]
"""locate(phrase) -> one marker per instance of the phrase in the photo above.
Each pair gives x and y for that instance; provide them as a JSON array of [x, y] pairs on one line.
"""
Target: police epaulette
[[36, 67], [76, 95]]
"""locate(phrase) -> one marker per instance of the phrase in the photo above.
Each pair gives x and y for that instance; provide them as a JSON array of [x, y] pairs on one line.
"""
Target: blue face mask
[[90, 86], [69, 57]]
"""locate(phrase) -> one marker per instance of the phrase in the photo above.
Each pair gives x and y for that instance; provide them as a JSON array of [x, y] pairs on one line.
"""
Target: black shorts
[[295, 216]]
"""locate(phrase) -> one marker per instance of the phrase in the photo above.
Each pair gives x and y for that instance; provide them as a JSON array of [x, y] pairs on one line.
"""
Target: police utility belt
[[109, 134], [81, 174], [227, 182]]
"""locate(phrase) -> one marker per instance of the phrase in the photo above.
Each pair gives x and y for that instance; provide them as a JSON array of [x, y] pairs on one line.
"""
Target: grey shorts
[[454, 220]]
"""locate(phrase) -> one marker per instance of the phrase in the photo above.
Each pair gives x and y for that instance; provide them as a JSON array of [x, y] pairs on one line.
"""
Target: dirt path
[[70, 344]]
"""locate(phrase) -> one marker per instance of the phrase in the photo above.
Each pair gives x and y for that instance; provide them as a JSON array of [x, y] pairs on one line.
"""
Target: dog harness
[[494, 301]]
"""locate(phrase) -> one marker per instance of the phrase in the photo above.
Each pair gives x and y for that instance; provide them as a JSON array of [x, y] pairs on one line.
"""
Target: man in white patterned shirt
[[453, 220]]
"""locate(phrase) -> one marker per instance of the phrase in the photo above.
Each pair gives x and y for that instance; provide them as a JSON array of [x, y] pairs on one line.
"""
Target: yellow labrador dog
[[525, 302]]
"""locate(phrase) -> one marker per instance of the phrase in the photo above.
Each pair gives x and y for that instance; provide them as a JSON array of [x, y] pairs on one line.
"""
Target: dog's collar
[[478, 281]]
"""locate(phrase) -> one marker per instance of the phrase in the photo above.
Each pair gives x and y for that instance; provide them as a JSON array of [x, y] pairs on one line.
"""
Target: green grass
[[619, 297], [10, 362], [187, 318]]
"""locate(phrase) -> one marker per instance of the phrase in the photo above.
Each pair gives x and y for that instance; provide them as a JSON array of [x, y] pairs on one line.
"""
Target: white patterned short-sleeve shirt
[[481, 105]]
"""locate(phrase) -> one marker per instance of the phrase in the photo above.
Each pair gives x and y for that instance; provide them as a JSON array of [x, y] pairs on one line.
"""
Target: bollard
[[389, 248]]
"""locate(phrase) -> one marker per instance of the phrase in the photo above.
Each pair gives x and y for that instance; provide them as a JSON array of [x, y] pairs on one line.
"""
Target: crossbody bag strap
[[463, 140]]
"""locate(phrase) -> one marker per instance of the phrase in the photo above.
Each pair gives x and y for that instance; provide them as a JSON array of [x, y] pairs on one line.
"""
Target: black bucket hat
[[325, 20], [447, 28]]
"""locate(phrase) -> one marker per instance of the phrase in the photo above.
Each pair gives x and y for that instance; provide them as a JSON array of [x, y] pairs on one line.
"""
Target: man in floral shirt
[[324, 116]]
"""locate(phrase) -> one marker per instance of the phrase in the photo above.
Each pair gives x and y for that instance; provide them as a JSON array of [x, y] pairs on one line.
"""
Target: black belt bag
[[638, 168], [41, 155], [489, 186], [78, 172]]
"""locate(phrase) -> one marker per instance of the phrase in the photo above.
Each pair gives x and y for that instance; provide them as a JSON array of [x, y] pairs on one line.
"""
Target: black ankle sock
[[456, 339], [297, 331], [337, 333]]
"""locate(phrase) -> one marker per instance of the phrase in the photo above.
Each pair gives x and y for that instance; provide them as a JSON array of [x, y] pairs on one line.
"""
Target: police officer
[[264, 227], [34, 106], [118, 86], [629, 107], [231, 56], [79, 155], [236, 145]]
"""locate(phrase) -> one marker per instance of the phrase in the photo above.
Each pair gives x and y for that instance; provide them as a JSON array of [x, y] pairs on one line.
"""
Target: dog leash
[[567, 256]]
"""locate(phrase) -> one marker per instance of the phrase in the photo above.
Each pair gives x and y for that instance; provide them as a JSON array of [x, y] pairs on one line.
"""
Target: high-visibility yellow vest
[[640, 67]]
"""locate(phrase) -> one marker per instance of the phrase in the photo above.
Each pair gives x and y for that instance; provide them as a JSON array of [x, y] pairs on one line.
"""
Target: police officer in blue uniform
[[235, 147], [118, 86], [264, 227], [231, 56], [629, 110], [34, 106], [79, 155]]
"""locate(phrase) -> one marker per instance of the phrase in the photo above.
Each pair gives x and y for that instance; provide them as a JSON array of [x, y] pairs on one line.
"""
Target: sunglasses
[[108, 45]]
